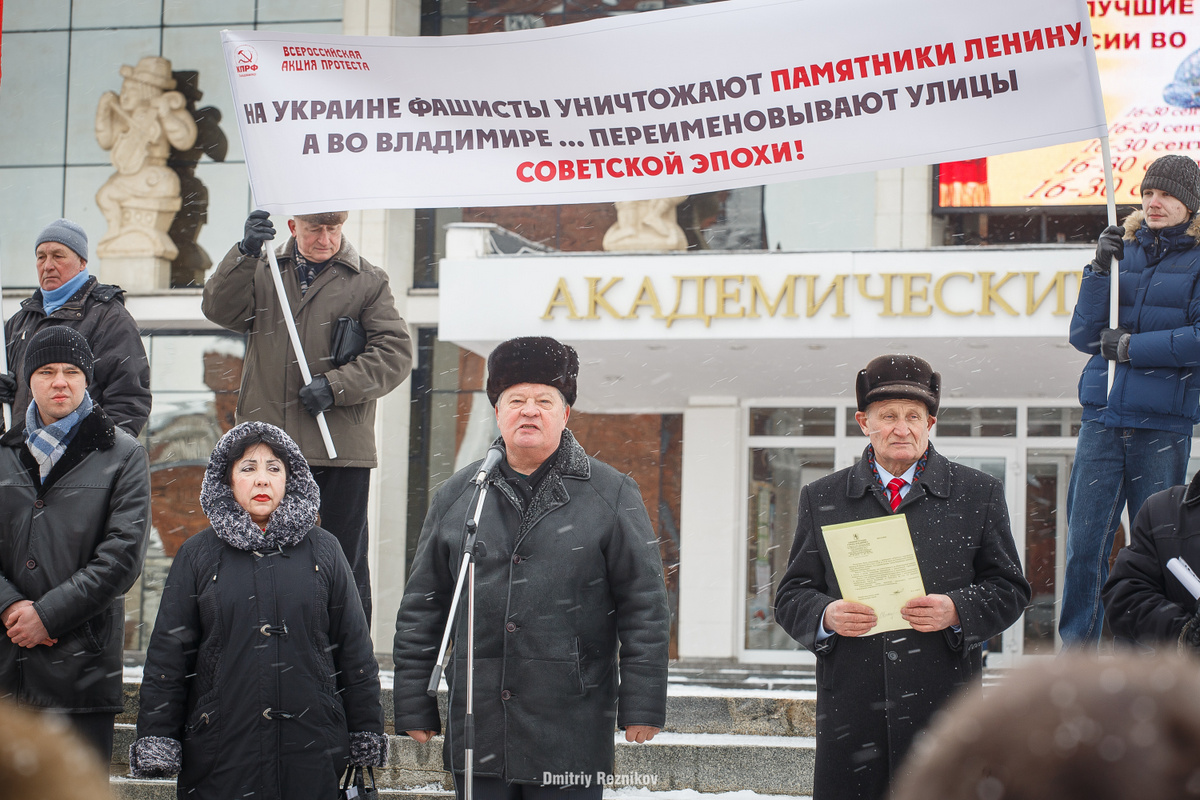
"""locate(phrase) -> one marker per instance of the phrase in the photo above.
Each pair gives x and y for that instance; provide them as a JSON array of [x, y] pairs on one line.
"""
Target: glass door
[[998, 459]]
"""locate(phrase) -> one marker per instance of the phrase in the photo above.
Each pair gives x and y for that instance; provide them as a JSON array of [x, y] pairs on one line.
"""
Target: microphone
[[494, 454]]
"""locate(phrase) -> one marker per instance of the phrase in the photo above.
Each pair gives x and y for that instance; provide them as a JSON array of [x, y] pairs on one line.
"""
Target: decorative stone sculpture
[[188, 268], [646, 225], [141, 199]]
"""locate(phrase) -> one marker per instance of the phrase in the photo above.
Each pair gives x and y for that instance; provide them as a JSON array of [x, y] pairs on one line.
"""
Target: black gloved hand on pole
[[8, 389], [258, 230], [1109, 244], [317, 396], [1114, 344]]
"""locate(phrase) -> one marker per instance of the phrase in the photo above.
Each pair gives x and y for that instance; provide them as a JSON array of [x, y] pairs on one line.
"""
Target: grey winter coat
[[260, 678], [74, 545], [874, 693], [240, 295], [558, 588], [121, 379]]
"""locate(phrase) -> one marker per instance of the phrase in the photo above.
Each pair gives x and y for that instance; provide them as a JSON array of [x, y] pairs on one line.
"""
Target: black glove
[[317, 396], [1189, 637], [1114, 344], [1108, 245], [258, 230], [8, 389]]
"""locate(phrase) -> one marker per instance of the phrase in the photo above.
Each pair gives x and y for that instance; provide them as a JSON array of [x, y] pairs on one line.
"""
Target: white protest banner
[[663, 103]]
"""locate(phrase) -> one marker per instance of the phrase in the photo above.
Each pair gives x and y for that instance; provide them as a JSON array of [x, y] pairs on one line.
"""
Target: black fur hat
[[533, 359], [899, 377]]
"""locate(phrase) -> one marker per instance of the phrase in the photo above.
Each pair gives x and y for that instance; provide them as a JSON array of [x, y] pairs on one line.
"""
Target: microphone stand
[[466, 574]]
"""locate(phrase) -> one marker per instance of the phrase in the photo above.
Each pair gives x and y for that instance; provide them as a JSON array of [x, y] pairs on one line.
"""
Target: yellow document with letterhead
[[876, 565]]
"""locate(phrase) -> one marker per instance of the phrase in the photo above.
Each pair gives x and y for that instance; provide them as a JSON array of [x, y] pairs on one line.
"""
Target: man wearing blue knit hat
[[69, 295]]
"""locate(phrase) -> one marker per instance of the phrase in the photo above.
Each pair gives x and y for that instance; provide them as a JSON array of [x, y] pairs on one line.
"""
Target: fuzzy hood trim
[[1134, 221], [289, 523]]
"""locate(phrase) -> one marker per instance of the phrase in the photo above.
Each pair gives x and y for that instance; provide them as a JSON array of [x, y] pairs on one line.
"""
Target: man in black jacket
[[68, 295], [568, 570], [1144, 602], [74, 519]]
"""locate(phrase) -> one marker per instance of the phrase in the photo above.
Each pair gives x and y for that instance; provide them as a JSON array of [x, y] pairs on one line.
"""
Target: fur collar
[[290, 522], [570, 462], [96, 432], [1134, 222]]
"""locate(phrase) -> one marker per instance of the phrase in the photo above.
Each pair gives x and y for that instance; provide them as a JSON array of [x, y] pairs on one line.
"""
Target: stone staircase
[[730, 728]]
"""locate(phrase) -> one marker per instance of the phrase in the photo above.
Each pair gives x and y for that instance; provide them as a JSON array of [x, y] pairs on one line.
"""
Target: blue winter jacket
[[1159, 387]]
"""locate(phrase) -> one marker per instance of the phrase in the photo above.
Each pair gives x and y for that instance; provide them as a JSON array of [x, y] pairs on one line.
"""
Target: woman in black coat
[[260, 678]]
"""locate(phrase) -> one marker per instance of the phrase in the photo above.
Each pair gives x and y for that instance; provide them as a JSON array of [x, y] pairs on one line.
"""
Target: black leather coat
[[557, 590], [1143, 601], [74, 545]]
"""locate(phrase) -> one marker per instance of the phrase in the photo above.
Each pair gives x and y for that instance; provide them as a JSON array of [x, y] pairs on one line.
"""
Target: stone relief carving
[[138, 128], [646, 225]]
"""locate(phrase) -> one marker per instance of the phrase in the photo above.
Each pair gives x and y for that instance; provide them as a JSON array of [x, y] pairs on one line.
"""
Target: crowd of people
[[260, 676]]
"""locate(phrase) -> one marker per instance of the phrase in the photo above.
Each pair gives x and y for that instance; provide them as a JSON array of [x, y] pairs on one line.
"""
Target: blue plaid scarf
[[47, 443]]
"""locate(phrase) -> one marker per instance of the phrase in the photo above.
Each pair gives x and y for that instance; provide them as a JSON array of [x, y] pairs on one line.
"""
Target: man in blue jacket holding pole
[[1136, 439]]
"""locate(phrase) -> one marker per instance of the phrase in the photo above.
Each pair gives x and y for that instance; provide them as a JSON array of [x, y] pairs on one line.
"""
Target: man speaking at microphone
[[568, 570]]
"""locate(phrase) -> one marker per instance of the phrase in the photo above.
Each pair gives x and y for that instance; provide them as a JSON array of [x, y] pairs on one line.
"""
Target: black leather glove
[[1189, 637], [1114, 344], [317, 396], [258, 230], [8, 389], [1108, 245]]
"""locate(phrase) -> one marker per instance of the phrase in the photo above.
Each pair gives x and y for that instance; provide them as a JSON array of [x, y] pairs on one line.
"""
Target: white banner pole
[[1114, 273], [286, 308]]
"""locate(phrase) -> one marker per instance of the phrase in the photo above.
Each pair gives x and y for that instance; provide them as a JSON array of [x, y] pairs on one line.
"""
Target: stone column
[[710, 541]]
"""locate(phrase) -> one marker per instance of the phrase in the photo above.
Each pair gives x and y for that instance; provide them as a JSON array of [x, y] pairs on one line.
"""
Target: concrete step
[[147, 789], [702, 762], [690, 709]]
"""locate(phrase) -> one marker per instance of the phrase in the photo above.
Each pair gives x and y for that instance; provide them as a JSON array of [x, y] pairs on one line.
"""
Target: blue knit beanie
[[67, 233]]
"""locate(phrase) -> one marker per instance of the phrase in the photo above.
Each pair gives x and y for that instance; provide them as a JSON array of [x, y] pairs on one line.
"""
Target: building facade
[[720, 377]]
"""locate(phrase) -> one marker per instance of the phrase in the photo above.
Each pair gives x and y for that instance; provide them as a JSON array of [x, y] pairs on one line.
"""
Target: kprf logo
[[247, 60]]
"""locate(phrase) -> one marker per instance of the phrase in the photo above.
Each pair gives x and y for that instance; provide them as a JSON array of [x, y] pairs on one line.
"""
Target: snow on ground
[[630, 793], [726, 740]]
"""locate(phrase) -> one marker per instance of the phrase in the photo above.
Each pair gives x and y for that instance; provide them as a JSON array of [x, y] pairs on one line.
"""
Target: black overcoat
[[874, 693], [1143, 601], [557, 589], [260, 678], [73, 544]]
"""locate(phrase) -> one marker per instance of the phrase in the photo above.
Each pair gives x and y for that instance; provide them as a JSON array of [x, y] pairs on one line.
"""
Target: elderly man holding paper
[[884, 669]]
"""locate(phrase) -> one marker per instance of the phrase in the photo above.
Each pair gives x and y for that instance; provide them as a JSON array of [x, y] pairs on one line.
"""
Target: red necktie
[[893, 487]]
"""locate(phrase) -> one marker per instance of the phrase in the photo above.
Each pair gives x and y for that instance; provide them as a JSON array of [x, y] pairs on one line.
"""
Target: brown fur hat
[[533, 359], [326, 218], [899, 377]]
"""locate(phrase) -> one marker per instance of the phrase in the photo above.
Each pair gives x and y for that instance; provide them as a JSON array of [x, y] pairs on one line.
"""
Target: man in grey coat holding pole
[[335, 297]]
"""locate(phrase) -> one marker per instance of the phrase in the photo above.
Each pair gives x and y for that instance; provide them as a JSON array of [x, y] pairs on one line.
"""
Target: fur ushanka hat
[[899, 377], [533, 359]]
